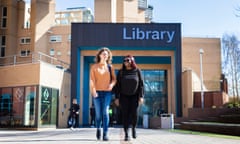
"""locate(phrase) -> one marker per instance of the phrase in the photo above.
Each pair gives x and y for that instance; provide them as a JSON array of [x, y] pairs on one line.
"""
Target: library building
[[157, 52]]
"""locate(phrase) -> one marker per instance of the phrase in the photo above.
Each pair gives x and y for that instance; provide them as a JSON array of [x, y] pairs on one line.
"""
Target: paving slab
[[116, 136]]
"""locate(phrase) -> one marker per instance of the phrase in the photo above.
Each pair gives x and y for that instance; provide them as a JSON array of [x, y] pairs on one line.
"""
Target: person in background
[[92, 113], [101, 84], [129, 93], [74, 113]]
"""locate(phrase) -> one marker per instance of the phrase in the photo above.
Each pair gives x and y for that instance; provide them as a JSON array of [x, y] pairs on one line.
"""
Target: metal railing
[[32, 58]]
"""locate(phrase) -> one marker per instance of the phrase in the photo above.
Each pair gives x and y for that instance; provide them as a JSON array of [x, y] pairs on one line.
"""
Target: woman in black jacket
[[74, 114], [130, 92]]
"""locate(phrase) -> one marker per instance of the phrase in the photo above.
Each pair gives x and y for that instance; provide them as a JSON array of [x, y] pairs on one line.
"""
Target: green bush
[[232, 105], [237, 104]]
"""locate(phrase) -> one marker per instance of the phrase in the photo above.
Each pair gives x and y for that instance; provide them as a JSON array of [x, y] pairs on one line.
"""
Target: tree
[[231, 63]]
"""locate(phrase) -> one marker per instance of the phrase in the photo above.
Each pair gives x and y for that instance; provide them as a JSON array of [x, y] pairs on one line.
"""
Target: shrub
[[232, 104]]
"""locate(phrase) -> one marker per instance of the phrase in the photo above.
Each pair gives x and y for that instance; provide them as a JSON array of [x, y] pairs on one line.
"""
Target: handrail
[[32, 58]]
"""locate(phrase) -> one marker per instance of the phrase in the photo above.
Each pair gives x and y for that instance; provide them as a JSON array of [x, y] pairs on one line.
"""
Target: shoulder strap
[[110, 71], [139, 75]]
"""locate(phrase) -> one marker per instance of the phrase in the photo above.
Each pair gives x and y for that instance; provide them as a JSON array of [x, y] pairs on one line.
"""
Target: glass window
[[4, 22], [66, 15], [28, 40], [54, 106], [55, 38], [25, 53], [142, 4], [64, 22], [6, 111], [4, 17], [52, 52], [3, 40], [2, 50], [18, 106], [30, 105], [149, 12], [48, 114], [156, 97], [69, 37], [4, 11], [45, 105], [25, 40], [3, 46]]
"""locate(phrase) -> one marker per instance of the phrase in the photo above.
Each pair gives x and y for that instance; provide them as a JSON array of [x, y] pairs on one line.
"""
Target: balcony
[[32, 58]]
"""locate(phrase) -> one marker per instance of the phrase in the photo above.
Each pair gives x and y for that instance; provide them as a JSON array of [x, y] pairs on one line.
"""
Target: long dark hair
[[97, 58], [132, 62]]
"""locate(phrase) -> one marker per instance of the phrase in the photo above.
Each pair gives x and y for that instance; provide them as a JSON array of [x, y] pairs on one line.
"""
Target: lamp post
[[201, 77]]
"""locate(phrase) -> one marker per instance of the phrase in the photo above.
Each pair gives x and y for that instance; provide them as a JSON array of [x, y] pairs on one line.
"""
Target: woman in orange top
[[101, 84]]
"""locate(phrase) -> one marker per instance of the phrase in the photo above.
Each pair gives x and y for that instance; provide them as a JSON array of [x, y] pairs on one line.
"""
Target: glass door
[[156, 97]]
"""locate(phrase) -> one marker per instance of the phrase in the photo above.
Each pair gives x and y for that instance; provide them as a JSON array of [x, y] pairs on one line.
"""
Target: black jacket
[[129, 82], [74, 109]]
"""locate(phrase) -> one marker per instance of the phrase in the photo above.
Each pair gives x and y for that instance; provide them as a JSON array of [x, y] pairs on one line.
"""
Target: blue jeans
[[102, 103]]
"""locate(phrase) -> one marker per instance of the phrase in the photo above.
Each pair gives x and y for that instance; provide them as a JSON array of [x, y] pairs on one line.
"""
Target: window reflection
[[5, 106], [155, 84], [18, 96], [48, 106], [18, 106], [30, 106]]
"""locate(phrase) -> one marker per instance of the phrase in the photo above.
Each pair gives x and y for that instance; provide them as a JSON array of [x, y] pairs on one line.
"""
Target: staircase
[[227, 123]]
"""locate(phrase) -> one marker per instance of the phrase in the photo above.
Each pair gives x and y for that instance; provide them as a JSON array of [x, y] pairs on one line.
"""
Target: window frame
[[25, 40], [4, 17], [2, 45], [55, 38]]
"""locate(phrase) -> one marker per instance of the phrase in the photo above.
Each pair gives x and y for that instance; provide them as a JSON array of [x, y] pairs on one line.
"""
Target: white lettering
[[125, 35], [170, 36], [140, 35], [155, 35]]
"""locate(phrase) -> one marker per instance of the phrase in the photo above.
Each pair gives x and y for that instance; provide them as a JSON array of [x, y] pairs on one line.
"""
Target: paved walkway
[[116, 135]]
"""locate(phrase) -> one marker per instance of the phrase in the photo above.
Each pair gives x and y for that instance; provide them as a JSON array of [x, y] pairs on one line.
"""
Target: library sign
[[127, 34]]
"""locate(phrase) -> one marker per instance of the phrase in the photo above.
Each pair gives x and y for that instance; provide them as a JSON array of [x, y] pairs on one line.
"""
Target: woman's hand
[[95, 94], [110, 87], [116, 101], [141, 100]]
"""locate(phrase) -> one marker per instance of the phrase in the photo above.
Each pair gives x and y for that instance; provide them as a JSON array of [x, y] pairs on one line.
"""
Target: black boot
[[98, 134], [126, 138], [134, 135]]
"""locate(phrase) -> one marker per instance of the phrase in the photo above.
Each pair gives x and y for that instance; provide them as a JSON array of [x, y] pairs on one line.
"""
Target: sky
[[198, 18]]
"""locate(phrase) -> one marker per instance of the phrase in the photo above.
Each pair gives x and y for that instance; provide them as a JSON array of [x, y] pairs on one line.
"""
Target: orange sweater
[[100, 78]]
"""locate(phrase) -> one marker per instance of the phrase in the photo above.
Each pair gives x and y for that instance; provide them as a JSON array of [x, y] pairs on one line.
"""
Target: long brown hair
[[97, 58]]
